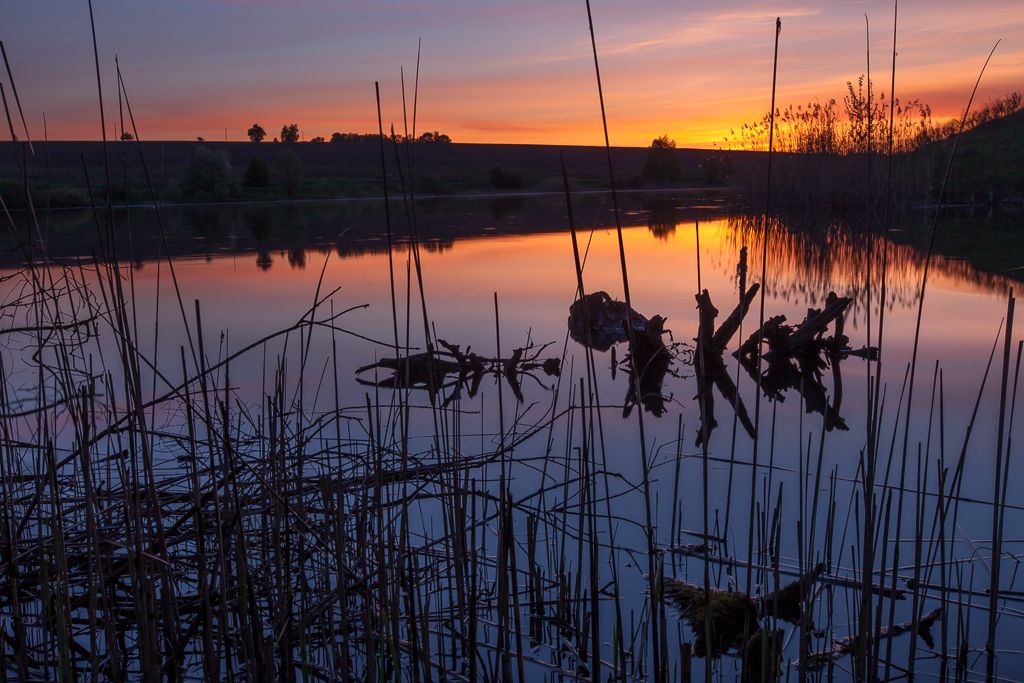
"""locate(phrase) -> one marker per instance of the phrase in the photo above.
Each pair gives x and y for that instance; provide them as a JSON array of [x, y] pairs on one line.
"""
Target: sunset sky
[[491, 71]]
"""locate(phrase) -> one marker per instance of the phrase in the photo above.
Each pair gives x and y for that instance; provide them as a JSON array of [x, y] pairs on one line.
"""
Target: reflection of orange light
[[534, 278]]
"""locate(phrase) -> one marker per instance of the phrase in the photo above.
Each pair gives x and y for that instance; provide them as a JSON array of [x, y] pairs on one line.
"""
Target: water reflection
[[807, 254], [811, 254], [449, 372]]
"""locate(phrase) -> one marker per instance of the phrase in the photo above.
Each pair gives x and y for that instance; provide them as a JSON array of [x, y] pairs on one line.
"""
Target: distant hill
[[989, 159], [351, 168]]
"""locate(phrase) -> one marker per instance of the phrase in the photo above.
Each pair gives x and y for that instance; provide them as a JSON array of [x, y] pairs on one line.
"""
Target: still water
[[507, 264]]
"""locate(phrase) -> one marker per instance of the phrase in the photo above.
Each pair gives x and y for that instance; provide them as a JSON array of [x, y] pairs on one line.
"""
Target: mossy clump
[[733, 616]]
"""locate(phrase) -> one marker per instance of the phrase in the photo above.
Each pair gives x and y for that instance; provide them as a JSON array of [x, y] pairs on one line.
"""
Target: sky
[[508, 72]]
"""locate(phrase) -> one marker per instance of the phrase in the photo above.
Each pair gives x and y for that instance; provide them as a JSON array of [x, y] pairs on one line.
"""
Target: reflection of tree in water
[[296, 235], [437, 246], [663, 216], [260, 224]]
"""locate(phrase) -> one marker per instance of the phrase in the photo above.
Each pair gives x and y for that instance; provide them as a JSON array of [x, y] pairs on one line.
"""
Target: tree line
[[292, 133]]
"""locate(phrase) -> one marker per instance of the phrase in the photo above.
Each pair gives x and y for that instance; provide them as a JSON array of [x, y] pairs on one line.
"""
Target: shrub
[[662, 164], [209, 175], [257, 173], [287, 173]]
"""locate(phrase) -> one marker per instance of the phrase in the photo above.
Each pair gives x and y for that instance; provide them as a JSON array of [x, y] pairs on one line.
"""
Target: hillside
[[990, 159], [351, 169]]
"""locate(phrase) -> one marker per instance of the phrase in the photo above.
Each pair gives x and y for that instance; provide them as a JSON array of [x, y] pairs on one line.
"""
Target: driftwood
[[710, 365], [792, 358], [808, 338], [848, 645], [453, 368], [599, 322]]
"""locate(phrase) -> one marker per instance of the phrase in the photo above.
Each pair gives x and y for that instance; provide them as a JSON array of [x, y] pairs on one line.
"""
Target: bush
[[662, 163], [287, 173], [257, 173], [209, 175], [503, 179]]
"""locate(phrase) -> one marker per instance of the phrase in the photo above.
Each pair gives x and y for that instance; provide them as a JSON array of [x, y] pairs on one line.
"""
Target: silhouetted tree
[[318, 138], [200, 138], [287, 172], [257, 173], [126, 136], [209, 175], [290, 133], [256, 133], [662, 164], [434, 136]]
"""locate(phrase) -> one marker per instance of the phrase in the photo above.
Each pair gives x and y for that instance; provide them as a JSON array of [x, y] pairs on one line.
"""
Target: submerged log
[[816, 661]]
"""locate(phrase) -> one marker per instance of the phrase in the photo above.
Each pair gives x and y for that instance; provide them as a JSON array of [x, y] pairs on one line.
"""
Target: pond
[[496, 274]]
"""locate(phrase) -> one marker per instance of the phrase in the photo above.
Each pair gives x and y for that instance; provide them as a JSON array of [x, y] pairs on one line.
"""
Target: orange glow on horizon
[[502, 75]]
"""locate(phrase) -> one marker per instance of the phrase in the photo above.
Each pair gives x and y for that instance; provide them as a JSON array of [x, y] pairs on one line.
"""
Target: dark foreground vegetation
[[158, 523]]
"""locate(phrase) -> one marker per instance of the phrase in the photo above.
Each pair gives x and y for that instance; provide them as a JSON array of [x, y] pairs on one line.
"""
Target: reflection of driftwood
[[711, 370], [433, 369], [606, 318], [762, 657], [651, 359], [818, 660], [794, 358], [803, 375]]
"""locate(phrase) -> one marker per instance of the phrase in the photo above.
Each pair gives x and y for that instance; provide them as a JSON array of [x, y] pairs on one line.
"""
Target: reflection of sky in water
[[534, 278]]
